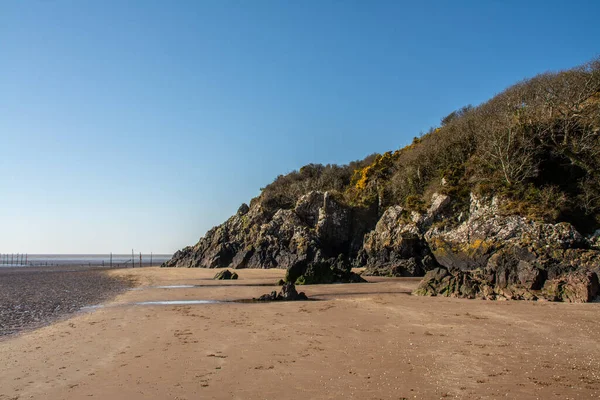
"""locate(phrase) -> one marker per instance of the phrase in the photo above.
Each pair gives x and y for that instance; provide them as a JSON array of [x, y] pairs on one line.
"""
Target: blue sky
[[141, 124]]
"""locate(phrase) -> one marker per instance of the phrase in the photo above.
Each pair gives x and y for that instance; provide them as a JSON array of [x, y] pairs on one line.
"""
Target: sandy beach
[[361, 341]]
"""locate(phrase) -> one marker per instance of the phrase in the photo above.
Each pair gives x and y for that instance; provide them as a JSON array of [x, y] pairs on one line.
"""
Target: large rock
[[326, 271], [453, 283], [225, 275], [574, 287], [515, 266], [471, 244], [313, 240], [396, 247], [319, 239], [505, 256], [288, 293], [308, 207]]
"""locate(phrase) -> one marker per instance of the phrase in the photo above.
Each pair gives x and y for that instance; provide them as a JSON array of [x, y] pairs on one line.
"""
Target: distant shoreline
[[106, 260]]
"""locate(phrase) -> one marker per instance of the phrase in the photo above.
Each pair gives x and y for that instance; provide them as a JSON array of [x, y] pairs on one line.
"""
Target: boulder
[[308, 206], [471, 244], [322, 271], [396, 247], [288, 293], [225, 274], [515, 266], [442, 281], [243, 210], [574, 287]]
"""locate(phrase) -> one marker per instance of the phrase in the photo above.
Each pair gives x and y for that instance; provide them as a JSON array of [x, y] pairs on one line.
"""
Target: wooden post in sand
[[132, 260], [150, 258], [111, 260], [140, 260]]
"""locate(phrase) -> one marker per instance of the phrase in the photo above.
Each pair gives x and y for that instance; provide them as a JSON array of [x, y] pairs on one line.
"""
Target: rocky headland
[[501, 201]]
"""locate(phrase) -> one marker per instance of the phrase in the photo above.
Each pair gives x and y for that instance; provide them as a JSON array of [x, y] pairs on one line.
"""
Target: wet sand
[[31, 297], [361, 341]]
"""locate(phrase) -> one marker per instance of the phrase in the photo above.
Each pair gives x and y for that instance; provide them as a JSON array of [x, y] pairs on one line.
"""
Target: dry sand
[[362, 341]]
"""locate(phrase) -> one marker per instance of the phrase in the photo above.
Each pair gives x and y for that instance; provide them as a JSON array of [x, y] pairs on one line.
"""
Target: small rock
[[225, 274], [288, 293]]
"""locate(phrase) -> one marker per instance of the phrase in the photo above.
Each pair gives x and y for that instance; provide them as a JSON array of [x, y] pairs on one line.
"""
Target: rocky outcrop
[[481, 252], [396, 247], [505, 256], [313, 241], [572, 287], [288, 293], [225, 275], [471, 244]]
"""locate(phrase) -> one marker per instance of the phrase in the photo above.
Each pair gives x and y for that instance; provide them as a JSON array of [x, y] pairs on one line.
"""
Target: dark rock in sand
[[225, 274], [288, 293]]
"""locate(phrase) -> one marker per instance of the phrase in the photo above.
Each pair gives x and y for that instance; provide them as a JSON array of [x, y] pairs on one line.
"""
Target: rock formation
[[288, 293], [225, 275], [313, 241], [490, 204], [479, 254], [572, 287]]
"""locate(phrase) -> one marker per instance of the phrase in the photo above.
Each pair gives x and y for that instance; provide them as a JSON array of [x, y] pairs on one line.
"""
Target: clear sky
[[141, 124]]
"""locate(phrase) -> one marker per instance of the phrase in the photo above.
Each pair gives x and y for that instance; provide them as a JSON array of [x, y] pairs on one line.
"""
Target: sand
[[358, 341], [31, 297]]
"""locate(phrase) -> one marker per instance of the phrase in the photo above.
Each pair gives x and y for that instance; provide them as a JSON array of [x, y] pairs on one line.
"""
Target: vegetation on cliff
[[536, 144]]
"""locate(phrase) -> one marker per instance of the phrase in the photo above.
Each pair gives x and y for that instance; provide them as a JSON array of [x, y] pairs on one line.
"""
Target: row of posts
[[13, 259], [21, 259], [133, 259]]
